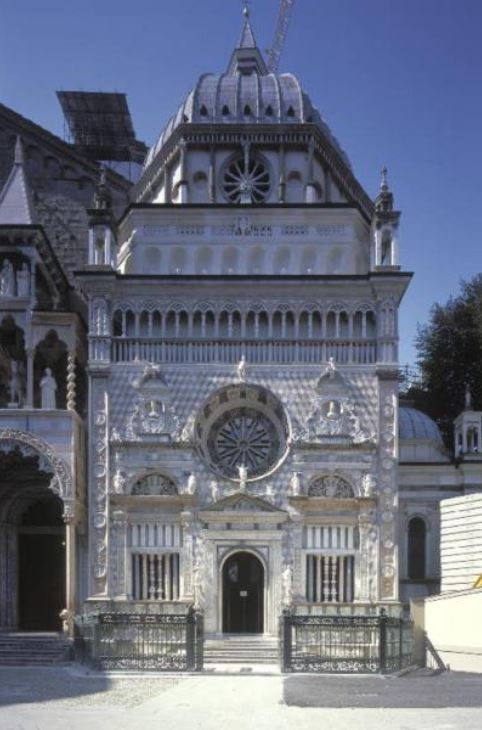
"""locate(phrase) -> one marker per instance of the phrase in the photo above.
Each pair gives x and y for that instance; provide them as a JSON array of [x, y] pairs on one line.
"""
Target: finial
[[384, 181], [19, 156], [468, 398], [245, 9]]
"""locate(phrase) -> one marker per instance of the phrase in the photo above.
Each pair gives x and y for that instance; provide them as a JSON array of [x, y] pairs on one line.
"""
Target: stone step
[[241, 650], [34, 649]]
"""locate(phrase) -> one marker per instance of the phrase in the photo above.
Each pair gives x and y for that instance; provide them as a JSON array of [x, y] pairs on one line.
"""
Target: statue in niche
[[15, 384], [23, 281], [7, 280], [48, 388], [241, 369]]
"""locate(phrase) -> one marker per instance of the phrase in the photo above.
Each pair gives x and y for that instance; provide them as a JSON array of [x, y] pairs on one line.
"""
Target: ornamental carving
[[154, 484], [61, 483], [331, 487], [153, 413]]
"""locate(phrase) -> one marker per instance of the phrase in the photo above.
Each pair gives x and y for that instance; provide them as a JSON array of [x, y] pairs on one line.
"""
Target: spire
[[384, 199], [246, 39], [247, 57], [16, 206], [468, 399]]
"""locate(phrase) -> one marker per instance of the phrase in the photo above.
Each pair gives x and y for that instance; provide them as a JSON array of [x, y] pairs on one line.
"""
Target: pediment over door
[[241, 506]]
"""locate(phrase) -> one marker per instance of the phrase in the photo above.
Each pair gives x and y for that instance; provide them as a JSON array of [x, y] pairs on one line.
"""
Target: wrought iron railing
[[344, 644], [161, 642]]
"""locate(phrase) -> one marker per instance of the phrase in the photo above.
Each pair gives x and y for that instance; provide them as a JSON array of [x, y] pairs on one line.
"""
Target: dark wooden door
[[243, 594]]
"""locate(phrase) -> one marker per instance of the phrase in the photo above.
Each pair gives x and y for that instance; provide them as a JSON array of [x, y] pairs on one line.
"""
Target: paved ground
[[68, 699]]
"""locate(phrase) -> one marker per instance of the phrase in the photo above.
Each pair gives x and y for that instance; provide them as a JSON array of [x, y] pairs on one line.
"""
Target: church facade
[[200, 379]]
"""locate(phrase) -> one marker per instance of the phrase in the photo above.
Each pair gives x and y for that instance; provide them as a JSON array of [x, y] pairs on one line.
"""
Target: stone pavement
[[67, 698]]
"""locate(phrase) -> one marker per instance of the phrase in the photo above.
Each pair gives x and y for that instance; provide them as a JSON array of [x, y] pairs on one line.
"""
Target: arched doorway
[[41, 565], [243, 594], [35, 540]]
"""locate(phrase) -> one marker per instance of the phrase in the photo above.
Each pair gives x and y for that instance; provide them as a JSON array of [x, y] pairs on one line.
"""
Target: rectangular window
[[155, 576], [330, 578]]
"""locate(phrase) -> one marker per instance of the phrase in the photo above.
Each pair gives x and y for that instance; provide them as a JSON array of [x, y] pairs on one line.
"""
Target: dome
[[416, 425], [246, 94]]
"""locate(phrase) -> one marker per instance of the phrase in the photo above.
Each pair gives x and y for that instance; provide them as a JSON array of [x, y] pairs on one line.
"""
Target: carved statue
[[15, 384], [368, 485], [295, 484], [7, 280], [48, 387], [241, 369], [119, 481], [23, 281], [243, 477], [191, 485]]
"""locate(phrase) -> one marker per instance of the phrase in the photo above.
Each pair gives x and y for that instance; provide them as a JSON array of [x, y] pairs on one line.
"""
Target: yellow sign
[[478, 582]]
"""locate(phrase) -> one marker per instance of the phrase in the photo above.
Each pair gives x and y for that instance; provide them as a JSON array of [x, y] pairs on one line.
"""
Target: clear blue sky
[[399, 82]]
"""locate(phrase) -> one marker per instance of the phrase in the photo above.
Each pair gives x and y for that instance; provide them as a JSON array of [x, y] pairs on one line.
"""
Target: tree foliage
[[449, 353]]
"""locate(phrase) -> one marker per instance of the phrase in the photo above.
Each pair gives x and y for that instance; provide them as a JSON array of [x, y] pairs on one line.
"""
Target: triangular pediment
[[241, 502]]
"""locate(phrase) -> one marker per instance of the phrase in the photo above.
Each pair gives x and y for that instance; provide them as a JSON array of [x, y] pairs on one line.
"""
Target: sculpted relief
[[153, 413]]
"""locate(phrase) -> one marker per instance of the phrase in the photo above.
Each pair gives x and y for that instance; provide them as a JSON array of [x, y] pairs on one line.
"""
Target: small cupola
[[385, 252], [468, 431], [102, 226]]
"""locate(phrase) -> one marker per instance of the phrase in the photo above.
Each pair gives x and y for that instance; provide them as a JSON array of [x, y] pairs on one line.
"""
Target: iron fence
[[166, 642], [331, 644]]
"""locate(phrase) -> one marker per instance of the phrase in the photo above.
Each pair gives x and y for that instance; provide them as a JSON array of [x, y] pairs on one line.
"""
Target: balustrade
[[155, 576], [330, 578], [127, 349]]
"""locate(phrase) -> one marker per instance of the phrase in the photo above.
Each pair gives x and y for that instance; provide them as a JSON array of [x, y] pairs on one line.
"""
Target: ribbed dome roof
[[414, 424], [247, 93]]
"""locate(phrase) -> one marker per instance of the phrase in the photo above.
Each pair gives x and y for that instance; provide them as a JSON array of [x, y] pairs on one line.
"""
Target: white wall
[[453, 625], [461, 542]]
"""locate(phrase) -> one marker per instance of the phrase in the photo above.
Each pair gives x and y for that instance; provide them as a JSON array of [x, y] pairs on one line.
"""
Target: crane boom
[[274, 53]]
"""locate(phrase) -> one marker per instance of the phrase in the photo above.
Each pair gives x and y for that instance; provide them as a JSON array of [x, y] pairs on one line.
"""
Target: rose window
[[246, 180], [243, 437], [242, 427]]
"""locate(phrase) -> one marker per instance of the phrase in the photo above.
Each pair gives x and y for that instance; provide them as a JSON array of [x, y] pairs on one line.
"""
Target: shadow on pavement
[[19, 685], [417, 689]]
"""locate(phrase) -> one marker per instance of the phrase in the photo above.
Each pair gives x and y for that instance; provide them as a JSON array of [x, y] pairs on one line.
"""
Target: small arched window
[[226, 111], [417, 537], [203, 111], [291, 112], [269, 111], [247, 111]]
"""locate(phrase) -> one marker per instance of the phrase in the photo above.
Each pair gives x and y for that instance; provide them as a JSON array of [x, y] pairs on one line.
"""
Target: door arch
[[243, 578]]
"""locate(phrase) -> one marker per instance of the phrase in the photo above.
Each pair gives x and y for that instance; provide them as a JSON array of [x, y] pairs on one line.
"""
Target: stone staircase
[[36, 648], [246, 650]]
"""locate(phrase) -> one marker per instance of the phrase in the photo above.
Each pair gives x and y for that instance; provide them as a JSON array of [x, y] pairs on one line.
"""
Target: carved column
[[119, 554], [30, 383], [70, 521], [71, 390], [187, 566], [388, 486]]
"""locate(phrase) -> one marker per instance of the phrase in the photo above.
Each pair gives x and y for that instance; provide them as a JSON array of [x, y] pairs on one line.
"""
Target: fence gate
[[145, 642], [344, 643]]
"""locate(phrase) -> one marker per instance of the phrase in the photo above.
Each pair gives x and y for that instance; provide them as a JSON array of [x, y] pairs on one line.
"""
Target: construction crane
[[274, 53]]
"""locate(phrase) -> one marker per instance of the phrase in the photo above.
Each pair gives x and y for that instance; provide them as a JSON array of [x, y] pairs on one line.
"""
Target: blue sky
[[398, 81]]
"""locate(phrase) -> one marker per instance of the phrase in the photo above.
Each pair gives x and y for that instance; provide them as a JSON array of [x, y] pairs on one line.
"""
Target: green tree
[[449, 354]]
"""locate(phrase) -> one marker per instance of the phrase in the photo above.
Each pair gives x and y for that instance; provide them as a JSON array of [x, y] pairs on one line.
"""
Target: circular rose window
[[242, 426], [246, 181]]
